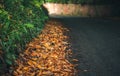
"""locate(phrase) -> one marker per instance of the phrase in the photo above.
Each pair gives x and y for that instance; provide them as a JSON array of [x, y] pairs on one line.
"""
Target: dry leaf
[[46, 54]]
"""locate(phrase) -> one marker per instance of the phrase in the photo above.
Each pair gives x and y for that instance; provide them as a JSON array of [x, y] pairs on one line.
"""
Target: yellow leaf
[[26, 68]]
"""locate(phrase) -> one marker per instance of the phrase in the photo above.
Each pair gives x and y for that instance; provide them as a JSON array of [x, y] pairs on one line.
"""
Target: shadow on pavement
[[96, 44]]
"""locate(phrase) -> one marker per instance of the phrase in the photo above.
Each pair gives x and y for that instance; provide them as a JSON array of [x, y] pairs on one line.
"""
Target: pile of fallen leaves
[[46, 55]]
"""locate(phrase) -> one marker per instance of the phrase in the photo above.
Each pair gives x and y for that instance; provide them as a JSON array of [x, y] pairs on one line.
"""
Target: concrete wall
[[78, 10]]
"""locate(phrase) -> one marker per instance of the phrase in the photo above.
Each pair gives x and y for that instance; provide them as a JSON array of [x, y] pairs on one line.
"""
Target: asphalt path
[[96, 44]]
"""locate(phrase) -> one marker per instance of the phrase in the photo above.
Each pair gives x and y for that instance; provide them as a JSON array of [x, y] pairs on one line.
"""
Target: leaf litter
[[47, 54]]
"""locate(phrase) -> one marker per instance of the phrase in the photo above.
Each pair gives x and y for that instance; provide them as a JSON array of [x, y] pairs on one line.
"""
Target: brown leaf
[[46, 54]]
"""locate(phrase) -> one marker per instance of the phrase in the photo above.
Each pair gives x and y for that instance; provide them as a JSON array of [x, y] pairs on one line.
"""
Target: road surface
[[96, 44]]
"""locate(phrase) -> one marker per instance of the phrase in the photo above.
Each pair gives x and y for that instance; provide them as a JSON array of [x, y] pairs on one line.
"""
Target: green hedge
[[20, 21]]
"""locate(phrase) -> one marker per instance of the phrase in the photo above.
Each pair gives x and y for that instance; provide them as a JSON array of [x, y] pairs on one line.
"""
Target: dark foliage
[[20, 21]]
